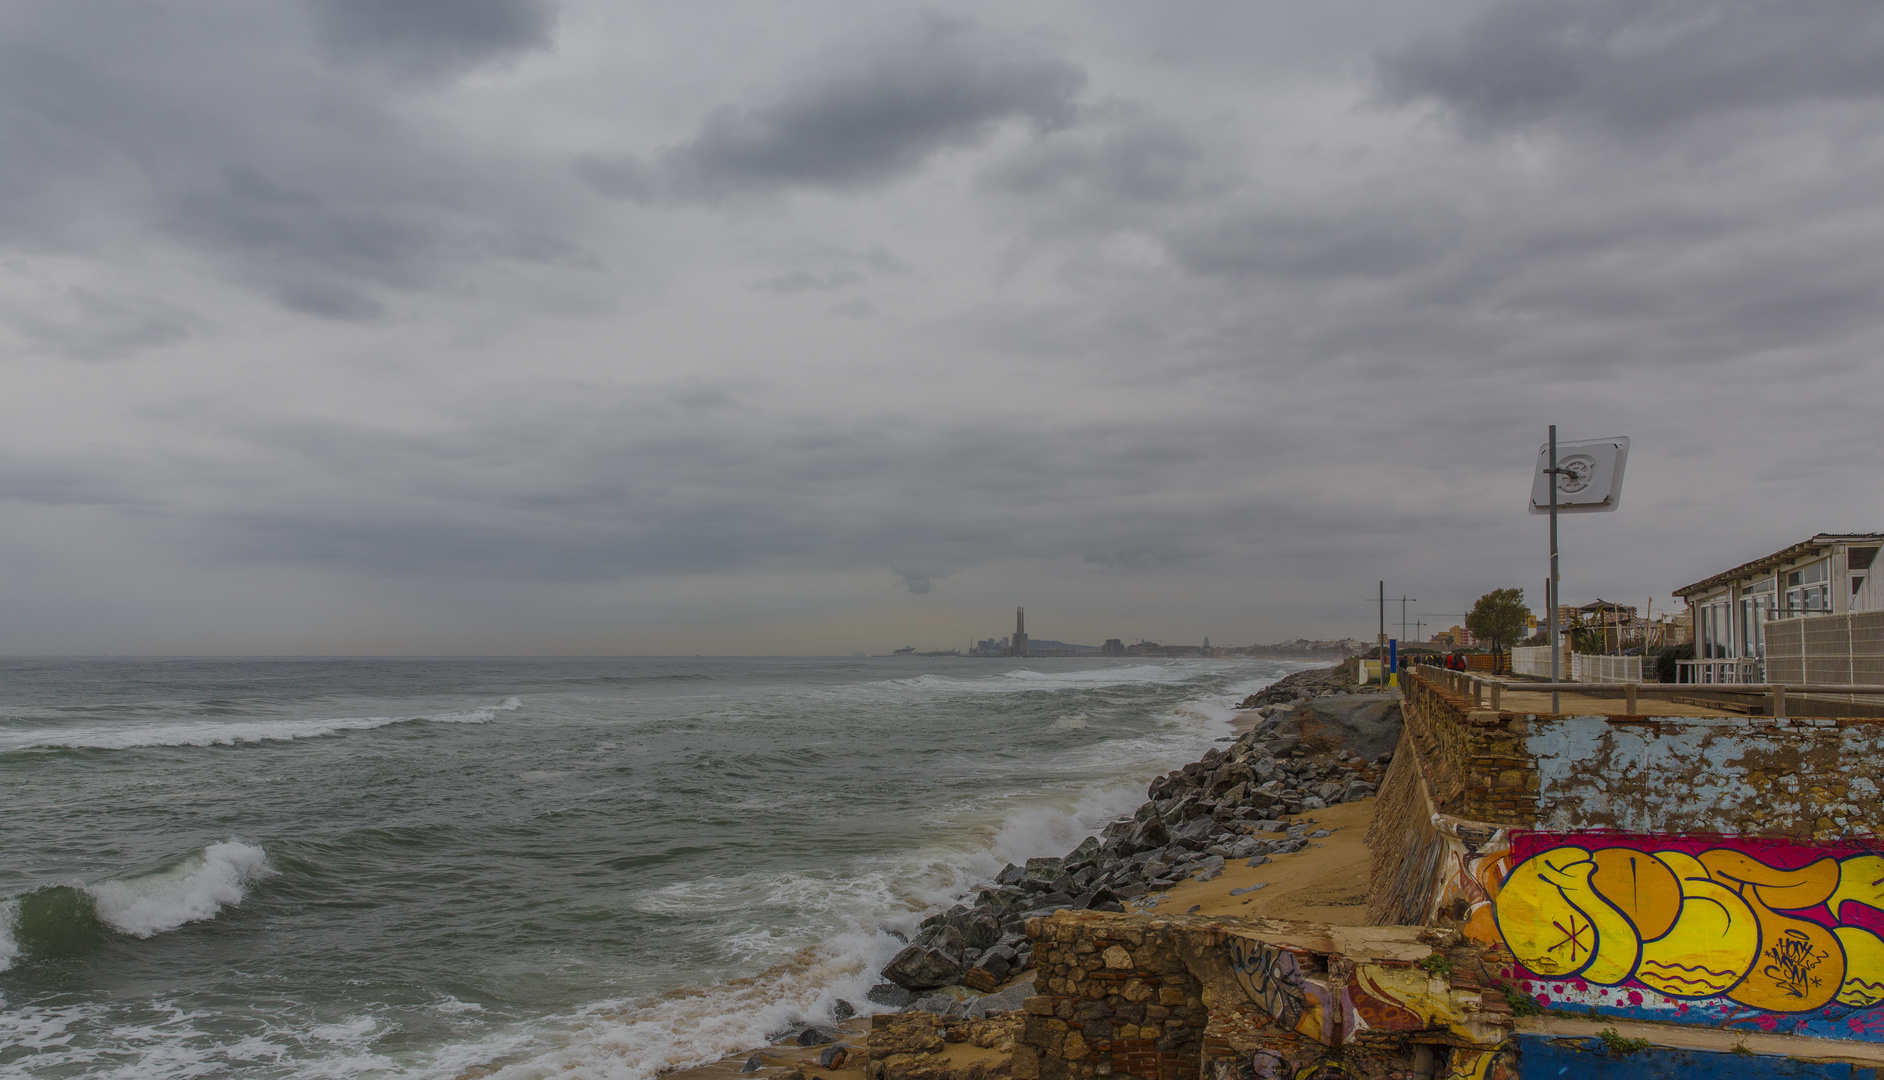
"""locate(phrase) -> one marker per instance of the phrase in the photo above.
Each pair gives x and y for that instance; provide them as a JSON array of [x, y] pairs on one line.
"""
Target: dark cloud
[[134, 124], [314, 255], [430, 38], [1641, 65], [80, 324], [916, 581], [866, 116]]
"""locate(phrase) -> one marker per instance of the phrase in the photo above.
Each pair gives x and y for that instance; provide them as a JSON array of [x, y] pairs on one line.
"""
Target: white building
[[1736, 610]]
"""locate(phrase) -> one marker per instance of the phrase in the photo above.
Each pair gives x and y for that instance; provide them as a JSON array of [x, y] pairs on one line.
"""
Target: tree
[[1499, 616]]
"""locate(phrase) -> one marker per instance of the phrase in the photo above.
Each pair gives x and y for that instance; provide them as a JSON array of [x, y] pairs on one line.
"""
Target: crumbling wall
[[1203, 999]]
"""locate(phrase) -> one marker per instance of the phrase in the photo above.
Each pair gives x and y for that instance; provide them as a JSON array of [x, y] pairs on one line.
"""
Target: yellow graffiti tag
[[1711, 944], [1694, 927], [1556, 922]]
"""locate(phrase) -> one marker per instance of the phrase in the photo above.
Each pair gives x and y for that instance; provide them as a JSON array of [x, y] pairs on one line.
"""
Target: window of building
[[1809, 589], [1716, 634]]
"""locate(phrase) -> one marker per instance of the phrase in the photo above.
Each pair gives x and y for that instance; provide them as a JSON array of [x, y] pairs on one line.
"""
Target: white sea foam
[[9, 948], [225, 732], [194, 890], [158, 1039]]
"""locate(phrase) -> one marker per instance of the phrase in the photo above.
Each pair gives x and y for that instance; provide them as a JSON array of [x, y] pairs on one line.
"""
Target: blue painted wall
[[1544, 1058]]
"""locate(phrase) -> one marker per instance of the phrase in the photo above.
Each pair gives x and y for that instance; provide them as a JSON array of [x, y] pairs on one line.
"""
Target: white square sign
[[1591, 478]]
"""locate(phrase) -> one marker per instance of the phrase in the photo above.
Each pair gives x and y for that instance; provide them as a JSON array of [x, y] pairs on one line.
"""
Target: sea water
[[582, 868]]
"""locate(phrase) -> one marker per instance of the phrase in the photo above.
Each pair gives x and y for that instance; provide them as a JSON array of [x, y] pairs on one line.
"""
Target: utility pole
[[1383, 633], [1404, 601], [1555, 658]]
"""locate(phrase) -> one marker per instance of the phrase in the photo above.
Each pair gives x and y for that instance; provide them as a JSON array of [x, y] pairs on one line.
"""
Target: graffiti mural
[[1784, 936], [1335, 1006], [1272, 978]]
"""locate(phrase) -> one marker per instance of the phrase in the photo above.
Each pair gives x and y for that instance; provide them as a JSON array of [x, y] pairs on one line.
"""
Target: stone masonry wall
[[1117, 1001], [1476, 761]]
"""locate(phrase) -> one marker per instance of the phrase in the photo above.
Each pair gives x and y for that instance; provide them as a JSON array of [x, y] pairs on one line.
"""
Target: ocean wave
[[636, 1040], [66, 920], [226, 733]]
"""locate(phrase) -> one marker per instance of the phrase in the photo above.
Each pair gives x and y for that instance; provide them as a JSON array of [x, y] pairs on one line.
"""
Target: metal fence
[[1605, 669], [1531, 660], [1826, 648]]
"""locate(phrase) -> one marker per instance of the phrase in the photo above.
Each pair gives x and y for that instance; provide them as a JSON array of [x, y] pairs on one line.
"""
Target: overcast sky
[[564, 326]]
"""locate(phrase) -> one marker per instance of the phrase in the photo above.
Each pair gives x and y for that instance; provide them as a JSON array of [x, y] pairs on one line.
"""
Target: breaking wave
[[68, 920], [225, 732]]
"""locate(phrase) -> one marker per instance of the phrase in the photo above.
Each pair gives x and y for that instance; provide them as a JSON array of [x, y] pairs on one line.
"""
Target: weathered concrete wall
[[1731, 775], [1745, 776]]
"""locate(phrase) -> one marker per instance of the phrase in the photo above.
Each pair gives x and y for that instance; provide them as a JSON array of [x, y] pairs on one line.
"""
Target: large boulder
[[1365, 724], [1149, 834], [923, 967]]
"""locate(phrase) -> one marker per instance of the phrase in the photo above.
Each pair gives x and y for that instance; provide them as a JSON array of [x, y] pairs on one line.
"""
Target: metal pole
[[1555, 658], [1383, 633]]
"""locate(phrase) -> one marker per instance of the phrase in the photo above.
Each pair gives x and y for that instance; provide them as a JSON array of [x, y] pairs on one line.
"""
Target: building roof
[[1801, 550]]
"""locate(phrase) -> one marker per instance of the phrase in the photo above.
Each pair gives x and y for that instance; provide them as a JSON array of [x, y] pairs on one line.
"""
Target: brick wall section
[[1117, 1001]]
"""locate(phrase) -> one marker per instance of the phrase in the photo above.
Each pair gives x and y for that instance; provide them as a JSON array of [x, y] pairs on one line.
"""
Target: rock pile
[[1303, 685], [1228, 805], [913, 1046]]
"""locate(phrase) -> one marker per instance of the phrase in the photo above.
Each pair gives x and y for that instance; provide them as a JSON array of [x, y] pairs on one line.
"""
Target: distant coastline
[[1046, 649]]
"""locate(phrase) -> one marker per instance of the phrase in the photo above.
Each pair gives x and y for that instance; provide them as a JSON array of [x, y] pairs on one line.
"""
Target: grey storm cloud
[[429, 38], [1641, 65], [329, 207], [698, 483], [863, 117], [1212, 310]]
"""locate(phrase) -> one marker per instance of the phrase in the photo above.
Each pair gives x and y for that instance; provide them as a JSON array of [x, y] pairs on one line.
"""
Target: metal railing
[[1489, 693], [1717, 672]]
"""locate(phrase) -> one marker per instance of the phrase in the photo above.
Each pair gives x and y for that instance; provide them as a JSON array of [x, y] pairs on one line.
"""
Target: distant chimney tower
[[1020, 632]]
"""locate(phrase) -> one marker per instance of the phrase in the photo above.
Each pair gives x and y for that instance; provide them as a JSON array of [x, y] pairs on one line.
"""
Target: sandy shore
[[1325, 882]]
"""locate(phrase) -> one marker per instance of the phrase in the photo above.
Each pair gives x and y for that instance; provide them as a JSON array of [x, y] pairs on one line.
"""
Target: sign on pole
[[1589, 476], [1574, 478]]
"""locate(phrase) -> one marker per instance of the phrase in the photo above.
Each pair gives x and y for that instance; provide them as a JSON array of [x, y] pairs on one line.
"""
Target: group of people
[[1451, 661]]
